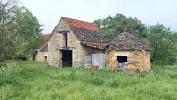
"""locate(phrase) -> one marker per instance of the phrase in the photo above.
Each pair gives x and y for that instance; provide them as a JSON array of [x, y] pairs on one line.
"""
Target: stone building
[[128, 52], [42, 53], [72, 40], [76, 43]]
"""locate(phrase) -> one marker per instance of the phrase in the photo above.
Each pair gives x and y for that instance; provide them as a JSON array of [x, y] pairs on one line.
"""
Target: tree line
[[162, 41], [19, 30]]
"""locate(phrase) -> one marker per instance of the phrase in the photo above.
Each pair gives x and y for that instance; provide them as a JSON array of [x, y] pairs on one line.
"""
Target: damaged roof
[[90, 38], [128, 41], [88, 33]]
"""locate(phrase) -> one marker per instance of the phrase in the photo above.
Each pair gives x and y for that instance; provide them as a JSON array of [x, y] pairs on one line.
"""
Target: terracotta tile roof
[[80, 24], [44, 47], [44, 38]]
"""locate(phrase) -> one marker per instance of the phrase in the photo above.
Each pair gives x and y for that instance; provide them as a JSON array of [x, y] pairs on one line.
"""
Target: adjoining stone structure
[[128, 52], [42, 53], [73, 39]]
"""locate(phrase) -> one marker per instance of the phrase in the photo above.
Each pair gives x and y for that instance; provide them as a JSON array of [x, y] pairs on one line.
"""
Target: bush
[[9, 73], [97, 79], [21, 57], [114, 83]]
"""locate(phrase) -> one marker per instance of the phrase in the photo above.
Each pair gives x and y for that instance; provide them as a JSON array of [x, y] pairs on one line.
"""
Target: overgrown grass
[[9, 78], [43, 83]]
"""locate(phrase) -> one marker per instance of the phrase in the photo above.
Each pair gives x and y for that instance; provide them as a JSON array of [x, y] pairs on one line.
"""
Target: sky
[[150, 12]]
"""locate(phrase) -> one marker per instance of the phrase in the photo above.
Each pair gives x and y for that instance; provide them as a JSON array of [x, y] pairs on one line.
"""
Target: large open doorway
[[66, 58]]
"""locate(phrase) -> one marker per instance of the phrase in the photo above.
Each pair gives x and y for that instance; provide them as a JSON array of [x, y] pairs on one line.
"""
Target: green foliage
[[112, 26], [97, 79], [162, 41], [6, 24], [163, 44], [29, 31], [114, 83], [19, 30], [9, 73], [72, 75], [42, 82]]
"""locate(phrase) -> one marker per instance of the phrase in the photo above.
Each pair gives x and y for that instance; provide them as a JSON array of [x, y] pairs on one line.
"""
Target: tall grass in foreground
[[43, 83], [9, 78]]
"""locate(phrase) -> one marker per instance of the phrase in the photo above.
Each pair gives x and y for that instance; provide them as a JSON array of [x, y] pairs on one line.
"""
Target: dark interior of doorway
[[45, 58], [66, 58], [122, 59]]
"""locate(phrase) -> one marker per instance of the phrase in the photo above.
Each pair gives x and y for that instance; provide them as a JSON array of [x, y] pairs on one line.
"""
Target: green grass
[[39, 82]]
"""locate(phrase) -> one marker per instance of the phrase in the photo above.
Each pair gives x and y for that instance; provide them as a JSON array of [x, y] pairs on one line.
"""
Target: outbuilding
[[41, 54], [128, 52]]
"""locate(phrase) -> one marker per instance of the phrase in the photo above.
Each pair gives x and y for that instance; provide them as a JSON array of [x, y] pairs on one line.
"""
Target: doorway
[[66, 58], [45, 58]]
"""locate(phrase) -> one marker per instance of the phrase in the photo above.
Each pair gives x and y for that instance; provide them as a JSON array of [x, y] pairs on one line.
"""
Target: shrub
[[9, 73], [97, 79], [114, 83]]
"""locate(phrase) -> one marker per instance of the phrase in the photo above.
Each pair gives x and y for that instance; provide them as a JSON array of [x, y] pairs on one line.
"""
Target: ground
[[39, 82]]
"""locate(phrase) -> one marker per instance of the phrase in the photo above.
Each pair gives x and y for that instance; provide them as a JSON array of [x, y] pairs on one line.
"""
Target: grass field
[[36, 81]]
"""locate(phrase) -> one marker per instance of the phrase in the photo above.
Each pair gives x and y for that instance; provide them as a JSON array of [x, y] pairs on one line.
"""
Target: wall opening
[[122, 59], [45, 58], [66, 58], [122, 65], [66, 39]]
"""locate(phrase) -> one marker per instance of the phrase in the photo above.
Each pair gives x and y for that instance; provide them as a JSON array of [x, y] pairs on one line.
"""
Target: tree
[[19, 30], [112, 26], [28, 30], [163, 44], [7, 8]]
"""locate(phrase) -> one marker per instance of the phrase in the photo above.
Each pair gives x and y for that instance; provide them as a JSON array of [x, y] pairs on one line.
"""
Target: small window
[[65, 39], [122, 59]]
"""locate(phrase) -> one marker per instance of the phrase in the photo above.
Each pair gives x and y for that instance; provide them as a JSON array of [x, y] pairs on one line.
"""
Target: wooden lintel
[[65, 31]]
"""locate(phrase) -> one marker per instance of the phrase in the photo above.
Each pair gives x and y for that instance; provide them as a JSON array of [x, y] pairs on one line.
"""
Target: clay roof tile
[[80, 24]]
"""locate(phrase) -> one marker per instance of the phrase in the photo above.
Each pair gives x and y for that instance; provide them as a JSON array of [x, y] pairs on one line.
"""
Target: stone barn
[[41, 54], [128, 52], [74, 40]]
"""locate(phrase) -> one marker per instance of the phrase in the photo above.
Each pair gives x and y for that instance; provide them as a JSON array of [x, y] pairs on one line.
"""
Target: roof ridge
[[71, 22], [77, 20]]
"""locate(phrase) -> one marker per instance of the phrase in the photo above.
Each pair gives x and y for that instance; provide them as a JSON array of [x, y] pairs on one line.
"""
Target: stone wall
[[56, 43], [140, 60], [40, 56]]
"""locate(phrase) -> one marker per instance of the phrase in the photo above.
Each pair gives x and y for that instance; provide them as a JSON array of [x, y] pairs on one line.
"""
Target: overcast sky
[[149, 12]]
